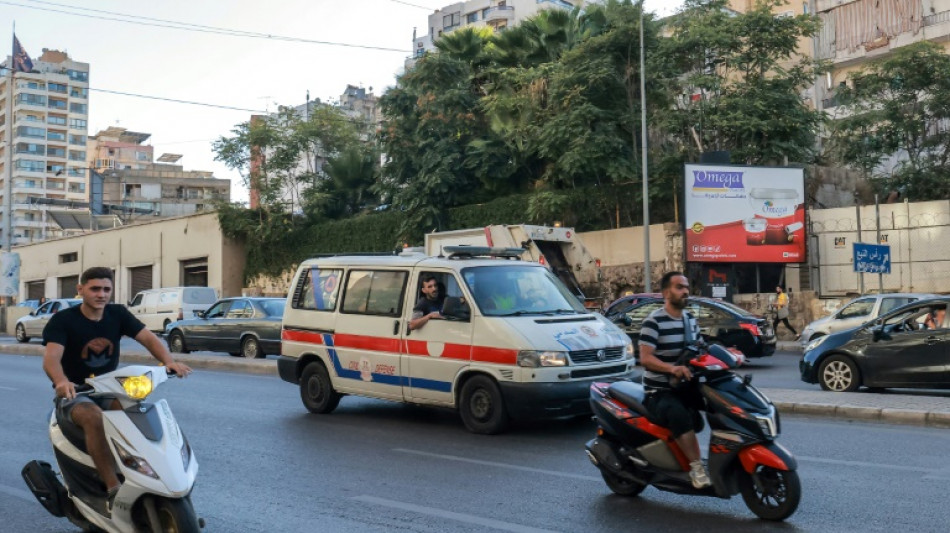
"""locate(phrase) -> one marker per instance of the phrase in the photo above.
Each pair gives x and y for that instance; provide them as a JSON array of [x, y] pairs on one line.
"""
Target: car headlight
[[534, 359], [815, 343], [137, 387]]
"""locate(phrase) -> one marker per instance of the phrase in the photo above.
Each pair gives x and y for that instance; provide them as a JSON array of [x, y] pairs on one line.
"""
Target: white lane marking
[[6, 388], [458, 517], [18, 493], [865, 464], [499, 465]]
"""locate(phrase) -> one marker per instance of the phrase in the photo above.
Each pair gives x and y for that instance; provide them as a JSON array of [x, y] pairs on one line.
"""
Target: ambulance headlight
[[534, 359], [628, 352]]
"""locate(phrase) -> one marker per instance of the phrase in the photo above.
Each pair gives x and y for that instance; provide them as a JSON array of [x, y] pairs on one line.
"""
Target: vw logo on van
[[601, 355]]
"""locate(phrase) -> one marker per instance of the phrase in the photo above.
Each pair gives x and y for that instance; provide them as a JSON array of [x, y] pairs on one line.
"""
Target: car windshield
[[519, 290], [274, 308]]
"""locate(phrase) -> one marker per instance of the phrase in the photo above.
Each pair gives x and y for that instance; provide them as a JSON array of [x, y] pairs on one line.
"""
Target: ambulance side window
[[317, 289], [378, 292]]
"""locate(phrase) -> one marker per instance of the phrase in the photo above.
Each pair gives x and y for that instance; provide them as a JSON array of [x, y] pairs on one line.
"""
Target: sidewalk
[[883, 407]]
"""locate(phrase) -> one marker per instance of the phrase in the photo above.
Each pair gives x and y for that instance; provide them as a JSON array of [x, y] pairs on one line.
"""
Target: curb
[[916, 417]]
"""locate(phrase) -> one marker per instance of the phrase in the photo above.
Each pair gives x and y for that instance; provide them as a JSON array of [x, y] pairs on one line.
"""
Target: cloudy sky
[[131, 49]]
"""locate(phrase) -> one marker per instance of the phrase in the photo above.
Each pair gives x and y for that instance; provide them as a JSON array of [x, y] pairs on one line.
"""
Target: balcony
[[500, 13]]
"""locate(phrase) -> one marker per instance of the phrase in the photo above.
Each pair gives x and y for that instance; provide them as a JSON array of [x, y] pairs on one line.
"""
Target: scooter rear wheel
[[778, 496], [620, 486]]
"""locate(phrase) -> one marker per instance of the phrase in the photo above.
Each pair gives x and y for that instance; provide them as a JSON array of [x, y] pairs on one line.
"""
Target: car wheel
[[176, 342], [482, 407], [316, 390], [839, 374], [250, 348], [21, 334]]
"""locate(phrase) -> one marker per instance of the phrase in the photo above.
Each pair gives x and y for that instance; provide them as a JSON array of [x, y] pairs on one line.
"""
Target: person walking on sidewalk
[[781, 312]]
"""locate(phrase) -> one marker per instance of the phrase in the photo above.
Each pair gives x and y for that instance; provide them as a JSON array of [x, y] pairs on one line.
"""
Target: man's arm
[[417, 323], [53, 366], [159, 351], [653, 363]]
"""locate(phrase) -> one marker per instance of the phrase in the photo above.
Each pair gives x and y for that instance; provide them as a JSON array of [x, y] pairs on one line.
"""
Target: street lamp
[[643, 149]]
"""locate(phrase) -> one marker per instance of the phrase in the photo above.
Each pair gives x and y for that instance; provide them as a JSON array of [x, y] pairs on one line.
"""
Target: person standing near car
[[781, 311], [83, 341], [663, 338]]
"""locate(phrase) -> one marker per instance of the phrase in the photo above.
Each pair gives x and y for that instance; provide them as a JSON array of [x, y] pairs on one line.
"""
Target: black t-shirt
[[91, 348], [425, 306]]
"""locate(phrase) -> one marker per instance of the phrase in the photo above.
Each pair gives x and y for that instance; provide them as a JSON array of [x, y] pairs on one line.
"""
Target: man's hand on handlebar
[[179, 369], [681, 372], [65, 389]]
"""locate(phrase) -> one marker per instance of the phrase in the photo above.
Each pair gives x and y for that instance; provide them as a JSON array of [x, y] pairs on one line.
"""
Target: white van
[[513, 342], [157, 308]]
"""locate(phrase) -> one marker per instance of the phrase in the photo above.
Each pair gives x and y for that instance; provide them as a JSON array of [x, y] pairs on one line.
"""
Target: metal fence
[[918, 235]]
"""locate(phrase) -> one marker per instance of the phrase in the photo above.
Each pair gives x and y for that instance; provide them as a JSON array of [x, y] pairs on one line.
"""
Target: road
[[267, 465]]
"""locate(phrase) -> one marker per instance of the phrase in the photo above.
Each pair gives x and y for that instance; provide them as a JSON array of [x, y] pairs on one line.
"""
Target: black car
[[626, 302], [719, 323], [905, 348], [239, 326]]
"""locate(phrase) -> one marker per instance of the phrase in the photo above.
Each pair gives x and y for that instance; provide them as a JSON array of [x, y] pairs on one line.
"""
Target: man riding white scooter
[[83, 341]]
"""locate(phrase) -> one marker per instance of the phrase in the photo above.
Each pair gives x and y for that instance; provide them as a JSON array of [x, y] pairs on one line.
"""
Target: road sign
[[873, 258]]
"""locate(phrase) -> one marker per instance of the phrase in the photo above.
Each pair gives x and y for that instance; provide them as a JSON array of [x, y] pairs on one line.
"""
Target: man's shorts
[[671, 411], [66, 406]]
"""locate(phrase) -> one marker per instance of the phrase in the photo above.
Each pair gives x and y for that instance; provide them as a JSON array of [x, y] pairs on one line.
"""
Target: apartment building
[[496, 14], [43, 128], [116, 148]]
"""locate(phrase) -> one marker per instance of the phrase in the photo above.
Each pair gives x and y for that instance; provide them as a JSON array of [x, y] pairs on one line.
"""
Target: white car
[[32, 324], [857, 312]]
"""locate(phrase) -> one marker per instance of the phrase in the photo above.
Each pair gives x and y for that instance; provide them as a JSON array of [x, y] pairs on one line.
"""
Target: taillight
[[751, 328]]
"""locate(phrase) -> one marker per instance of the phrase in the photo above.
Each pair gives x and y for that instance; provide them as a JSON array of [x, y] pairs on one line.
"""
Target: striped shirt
[[666, 336]]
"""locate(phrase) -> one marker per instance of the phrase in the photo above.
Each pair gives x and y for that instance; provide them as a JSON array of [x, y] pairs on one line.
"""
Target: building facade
[[43, 123], [160, 190], [117, 148], [181, 251], [496, 14]]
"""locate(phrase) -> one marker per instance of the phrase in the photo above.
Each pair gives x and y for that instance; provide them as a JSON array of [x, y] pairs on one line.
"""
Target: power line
[[164, 99], [161, 23], [412, 5]]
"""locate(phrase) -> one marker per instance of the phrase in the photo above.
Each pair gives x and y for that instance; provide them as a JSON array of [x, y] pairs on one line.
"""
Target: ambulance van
[[512, 340]]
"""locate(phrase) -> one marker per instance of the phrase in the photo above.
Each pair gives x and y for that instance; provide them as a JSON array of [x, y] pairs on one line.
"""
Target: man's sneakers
[[110, 497], [698, 475]]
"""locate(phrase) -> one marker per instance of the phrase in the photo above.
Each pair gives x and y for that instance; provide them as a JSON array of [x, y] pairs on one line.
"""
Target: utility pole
[[643, 148]]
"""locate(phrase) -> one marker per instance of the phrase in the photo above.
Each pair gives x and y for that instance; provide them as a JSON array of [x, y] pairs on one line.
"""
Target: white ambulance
[[512, 342]]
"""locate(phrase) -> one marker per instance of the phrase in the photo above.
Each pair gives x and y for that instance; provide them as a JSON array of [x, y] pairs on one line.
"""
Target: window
[[141, 156], [78, 92], [889, 304], [77, 187], [34, 85], [240, 309], [472, 18], [856, 309], [77, 155], [30, 148], [53, 119], [56, 152], [451, 20], [57, 104], [77, 123], [57, 87], [273, 308], [30, 131], [218, 310], [54, 168], [374, 292], [77, 172], [71, 257], [31, 99], [503, 290], [30, 165], [77, 139], [136, 301], [77, 108], [638, 314], [318, 289], [55, 136], [77, 75], [194, 272]]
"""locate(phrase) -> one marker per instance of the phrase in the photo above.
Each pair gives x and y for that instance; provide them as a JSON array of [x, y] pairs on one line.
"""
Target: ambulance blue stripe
[[401, 381]]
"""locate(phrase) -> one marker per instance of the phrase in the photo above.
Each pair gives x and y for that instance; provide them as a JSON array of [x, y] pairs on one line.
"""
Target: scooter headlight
[[185, 452], [133, 461], [137, 387], [768, 424]]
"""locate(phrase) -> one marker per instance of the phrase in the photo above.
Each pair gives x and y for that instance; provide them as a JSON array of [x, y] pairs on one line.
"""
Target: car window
[[704, 311], [857, 308], [735, 308], [376, 292], [136, 301], [45, 308], [639, 313], [240, 309], [273, 308], [218, 310], [318, 289], [889, 304]]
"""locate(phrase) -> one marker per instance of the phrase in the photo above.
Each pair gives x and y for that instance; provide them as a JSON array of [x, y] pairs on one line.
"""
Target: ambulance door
[[367, 339], [435, 353]]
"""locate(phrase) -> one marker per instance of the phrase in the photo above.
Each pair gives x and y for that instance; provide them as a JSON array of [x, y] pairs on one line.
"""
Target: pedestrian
[[781, 311]]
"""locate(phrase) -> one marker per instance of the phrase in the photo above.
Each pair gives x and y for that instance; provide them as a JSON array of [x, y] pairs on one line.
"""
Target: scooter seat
[[73, 433], [630, 394]]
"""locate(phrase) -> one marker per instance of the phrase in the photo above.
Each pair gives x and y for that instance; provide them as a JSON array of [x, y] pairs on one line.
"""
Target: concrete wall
[[164, 244]]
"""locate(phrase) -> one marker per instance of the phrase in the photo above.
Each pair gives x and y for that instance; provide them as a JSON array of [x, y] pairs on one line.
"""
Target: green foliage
[[897, 105]]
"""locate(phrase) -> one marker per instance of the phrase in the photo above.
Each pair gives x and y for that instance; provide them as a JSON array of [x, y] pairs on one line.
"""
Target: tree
[[899, 108]]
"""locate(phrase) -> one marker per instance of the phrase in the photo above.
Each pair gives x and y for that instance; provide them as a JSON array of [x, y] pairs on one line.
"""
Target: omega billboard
[[738, 214]]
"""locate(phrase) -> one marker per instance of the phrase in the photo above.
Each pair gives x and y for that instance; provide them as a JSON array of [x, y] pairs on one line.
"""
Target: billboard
[[745, 214]]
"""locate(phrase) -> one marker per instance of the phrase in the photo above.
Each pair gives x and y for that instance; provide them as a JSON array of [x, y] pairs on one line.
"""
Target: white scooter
[[154, 461]]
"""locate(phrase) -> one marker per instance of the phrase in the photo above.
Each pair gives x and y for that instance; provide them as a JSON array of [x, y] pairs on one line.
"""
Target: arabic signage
[[873, 258], [745, 214]]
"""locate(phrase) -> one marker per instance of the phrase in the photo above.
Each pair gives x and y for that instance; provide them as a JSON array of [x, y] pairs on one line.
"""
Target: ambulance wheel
[[316, 391], [482, 407]]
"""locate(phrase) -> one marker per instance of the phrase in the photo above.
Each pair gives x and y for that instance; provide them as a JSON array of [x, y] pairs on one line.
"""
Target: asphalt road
[[268, 465]]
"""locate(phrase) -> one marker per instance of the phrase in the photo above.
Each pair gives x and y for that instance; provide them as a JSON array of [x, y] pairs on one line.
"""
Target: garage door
[[35, 290], [141, 279], [67, 286]]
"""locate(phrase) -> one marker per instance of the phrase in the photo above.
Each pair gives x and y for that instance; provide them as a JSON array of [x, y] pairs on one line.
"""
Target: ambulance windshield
[[519, 290]]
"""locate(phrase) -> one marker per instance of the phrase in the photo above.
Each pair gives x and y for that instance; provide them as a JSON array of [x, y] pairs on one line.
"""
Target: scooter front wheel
[[620, 486], [771, 494], [168, 516]]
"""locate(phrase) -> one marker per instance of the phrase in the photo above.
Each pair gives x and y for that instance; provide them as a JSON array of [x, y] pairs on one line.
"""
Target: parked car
[[239, 326], [32, 304], [857, 312], [719, 323], [157, 308], [894, 350], [32, 325], [627, 301]]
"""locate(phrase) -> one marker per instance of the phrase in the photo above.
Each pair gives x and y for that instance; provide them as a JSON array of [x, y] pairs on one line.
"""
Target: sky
[[254, 75]]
